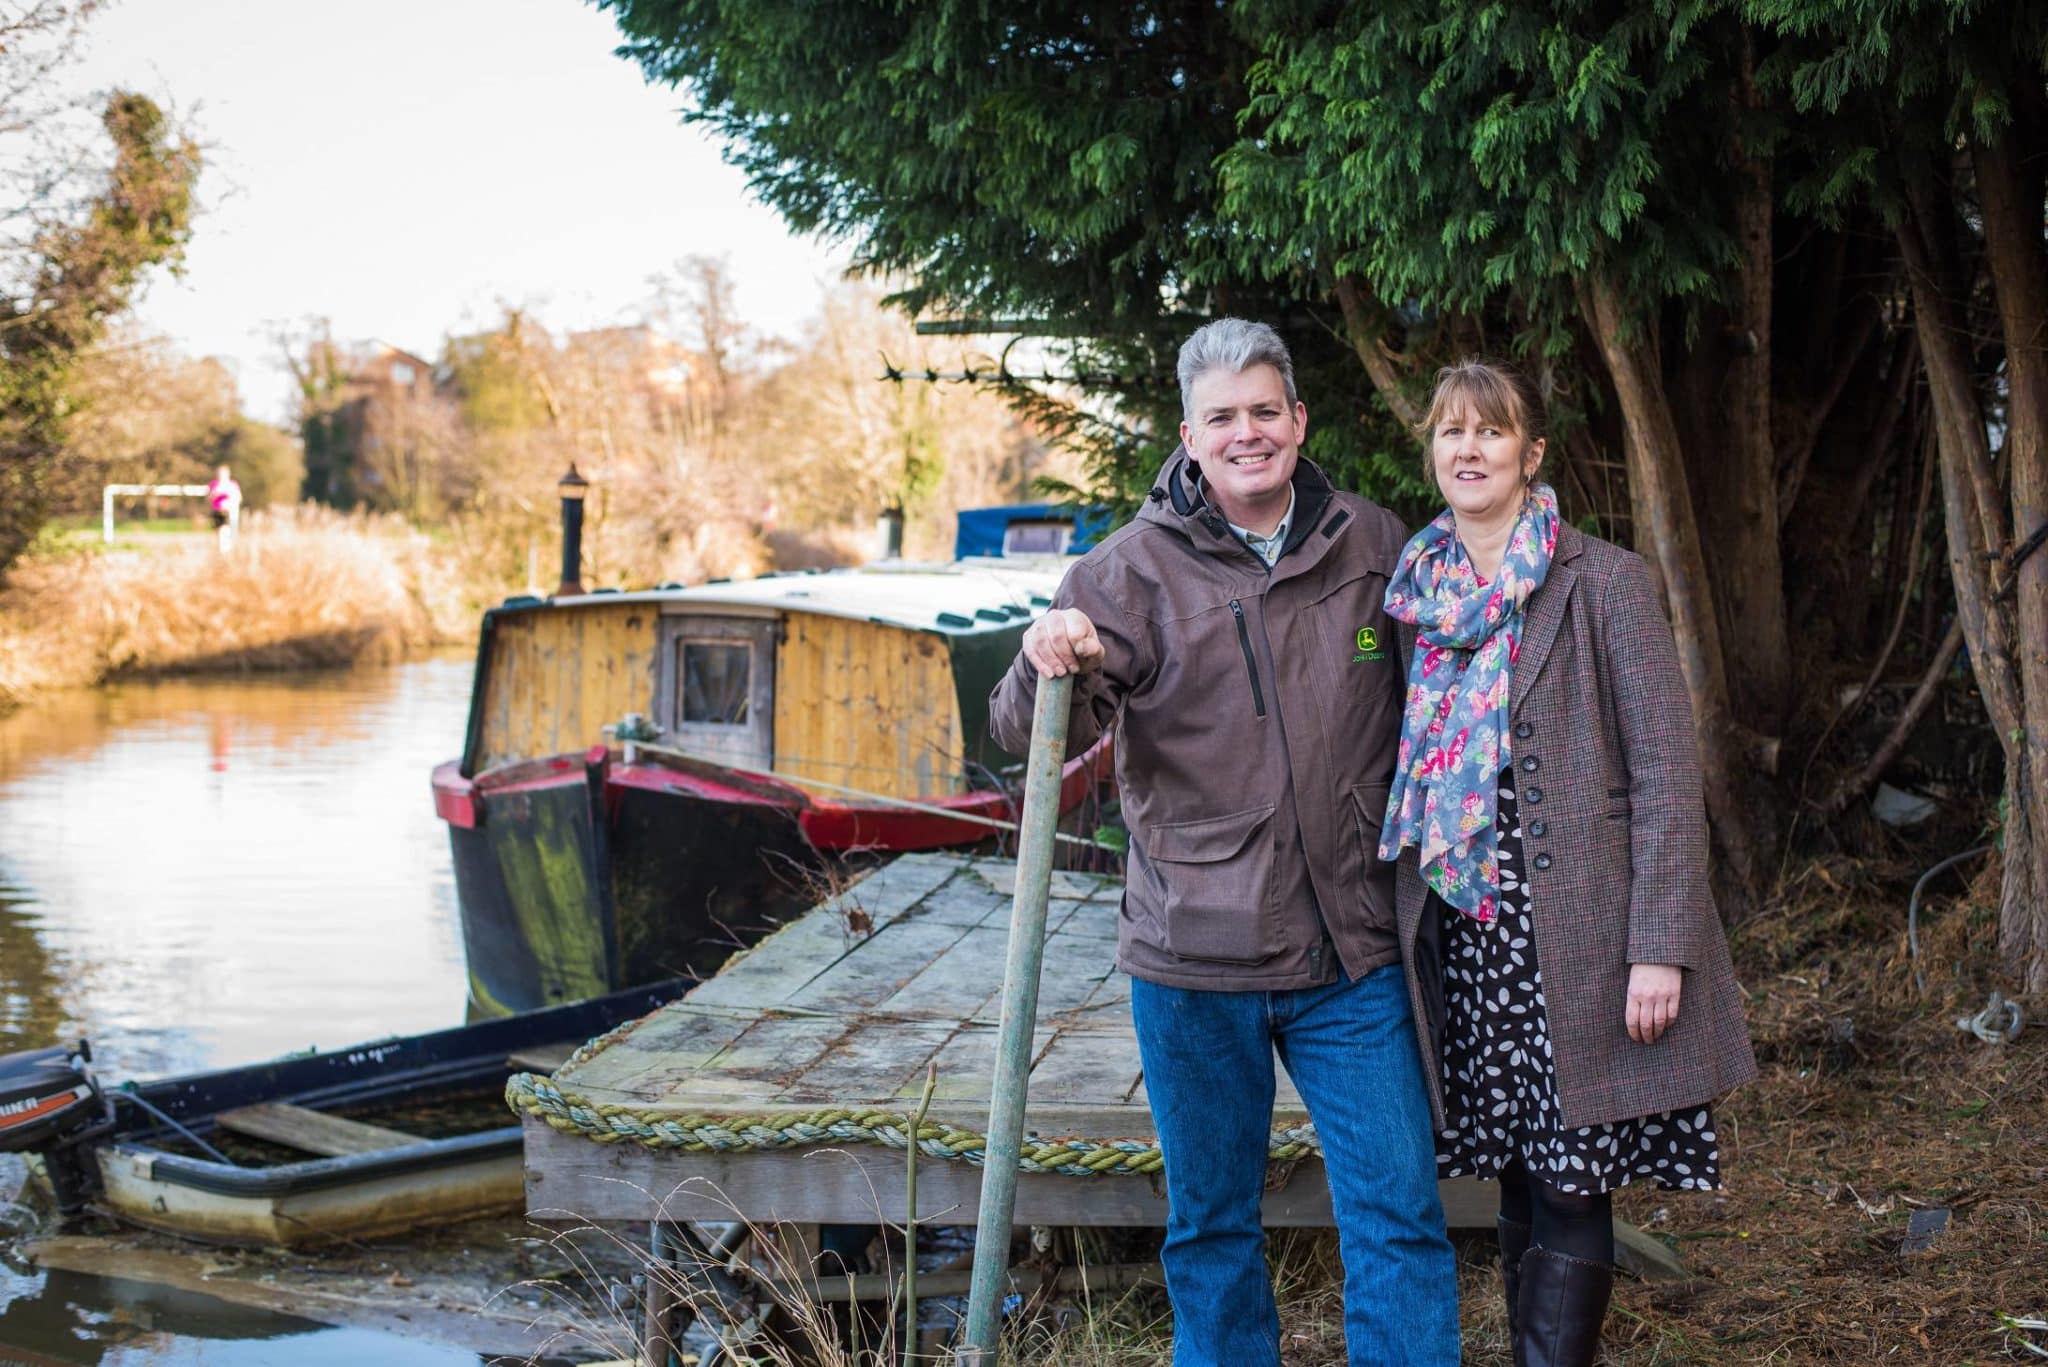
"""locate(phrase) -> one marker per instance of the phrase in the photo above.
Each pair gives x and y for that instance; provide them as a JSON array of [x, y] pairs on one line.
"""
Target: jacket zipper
[[1251, 663]]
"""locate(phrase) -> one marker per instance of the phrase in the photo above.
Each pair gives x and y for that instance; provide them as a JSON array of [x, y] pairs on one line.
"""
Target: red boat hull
[[583, 874]]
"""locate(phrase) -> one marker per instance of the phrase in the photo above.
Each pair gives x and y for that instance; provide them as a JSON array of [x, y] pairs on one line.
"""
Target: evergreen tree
[[1740, 242]]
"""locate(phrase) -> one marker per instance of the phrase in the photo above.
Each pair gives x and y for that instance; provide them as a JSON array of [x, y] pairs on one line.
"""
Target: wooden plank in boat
[[1075, 967], [967, 1069], [954, 985], [905, 887], [864, 1184], [310, 1131], [1085, 1066], [882, 1065], [1000, 877], [761, 1064], [660, 1056], [768, 974], [957, 901], [1109, 1005], [878, 967], [543, 1058]]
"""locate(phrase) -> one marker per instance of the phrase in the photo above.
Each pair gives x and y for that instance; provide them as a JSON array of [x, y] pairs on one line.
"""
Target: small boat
[[347, 1144], [654, 779]]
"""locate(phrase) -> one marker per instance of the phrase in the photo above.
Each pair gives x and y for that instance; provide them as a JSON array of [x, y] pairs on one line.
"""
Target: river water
[[202, 873]]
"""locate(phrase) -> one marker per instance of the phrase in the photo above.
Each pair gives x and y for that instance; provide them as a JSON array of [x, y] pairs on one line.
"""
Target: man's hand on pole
[[1063, 642]]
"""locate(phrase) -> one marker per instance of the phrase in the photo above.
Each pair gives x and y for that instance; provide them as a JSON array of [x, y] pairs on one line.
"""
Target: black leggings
[[1579, 1225]]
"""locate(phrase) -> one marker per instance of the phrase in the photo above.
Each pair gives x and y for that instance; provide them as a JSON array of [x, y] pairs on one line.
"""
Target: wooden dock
[[780, 1089], [842, 1011]]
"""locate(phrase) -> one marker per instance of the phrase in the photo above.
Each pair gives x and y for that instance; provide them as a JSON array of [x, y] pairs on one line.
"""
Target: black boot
[[1559, 1310], [1514, 1242]]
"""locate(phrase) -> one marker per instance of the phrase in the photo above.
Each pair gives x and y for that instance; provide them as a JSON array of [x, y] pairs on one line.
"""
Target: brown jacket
[[1615, 834], [1258, 714]]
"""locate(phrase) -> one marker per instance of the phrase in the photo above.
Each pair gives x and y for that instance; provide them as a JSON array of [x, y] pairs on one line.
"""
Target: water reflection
[[127, 1324], [202, 873]]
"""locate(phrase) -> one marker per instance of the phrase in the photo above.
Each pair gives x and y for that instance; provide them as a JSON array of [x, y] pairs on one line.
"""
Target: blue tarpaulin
[[1029, 528]]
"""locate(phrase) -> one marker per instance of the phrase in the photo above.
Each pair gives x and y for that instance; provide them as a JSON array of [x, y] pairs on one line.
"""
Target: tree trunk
[[2010, 193], [1365, 322], [1987, 623], [1751, 583], [1667, 535]]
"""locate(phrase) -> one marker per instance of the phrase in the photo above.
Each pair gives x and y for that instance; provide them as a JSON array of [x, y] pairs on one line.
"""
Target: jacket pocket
[[1369, 814], [1218, 874], [1375, 875]]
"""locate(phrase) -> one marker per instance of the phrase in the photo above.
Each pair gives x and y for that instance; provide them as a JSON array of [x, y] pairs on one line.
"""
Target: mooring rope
[[528, 1094]]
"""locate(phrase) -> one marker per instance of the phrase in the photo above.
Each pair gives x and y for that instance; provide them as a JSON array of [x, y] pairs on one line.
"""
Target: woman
[[224, 502], [1562, 942]]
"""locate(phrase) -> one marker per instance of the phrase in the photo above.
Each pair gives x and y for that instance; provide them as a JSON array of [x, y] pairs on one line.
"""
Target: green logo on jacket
[[1368, 647]]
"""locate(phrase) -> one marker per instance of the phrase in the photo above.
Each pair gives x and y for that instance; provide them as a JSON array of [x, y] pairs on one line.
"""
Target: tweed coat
[[1614, 829]]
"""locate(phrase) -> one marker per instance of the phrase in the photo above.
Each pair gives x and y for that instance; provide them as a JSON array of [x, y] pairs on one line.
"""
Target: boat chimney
[[572, 487], [889, 534]]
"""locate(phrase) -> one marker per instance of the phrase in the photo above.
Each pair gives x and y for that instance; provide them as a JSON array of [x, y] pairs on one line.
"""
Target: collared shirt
[[1267, 548]]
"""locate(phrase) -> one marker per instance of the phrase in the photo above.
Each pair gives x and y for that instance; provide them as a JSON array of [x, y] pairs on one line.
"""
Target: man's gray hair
[[1235, 345]]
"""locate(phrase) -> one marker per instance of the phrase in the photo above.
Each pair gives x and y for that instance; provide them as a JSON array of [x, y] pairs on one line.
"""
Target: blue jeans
[[1350, 1049]]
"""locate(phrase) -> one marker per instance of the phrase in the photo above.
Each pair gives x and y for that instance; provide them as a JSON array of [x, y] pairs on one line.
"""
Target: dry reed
[[303, 588]]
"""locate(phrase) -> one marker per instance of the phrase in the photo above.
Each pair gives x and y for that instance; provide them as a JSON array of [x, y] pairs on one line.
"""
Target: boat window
[[1037, 538], [716, 682]]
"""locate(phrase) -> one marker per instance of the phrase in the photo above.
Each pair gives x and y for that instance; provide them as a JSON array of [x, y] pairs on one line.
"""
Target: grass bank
[[304, 588]]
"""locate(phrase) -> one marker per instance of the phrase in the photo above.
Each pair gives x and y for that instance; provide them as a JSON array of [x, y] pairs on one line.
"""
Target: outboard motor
[[50, 1104]]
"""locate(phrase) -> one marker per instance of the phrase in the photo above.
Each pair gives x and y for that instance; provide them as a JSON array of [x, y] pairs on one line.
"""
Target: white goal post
[[109, 492]]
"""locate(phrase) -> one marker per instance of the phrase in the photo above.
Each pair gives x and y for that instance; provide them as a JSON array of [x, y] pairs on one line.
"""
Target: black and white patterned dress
[[1500, 1085]]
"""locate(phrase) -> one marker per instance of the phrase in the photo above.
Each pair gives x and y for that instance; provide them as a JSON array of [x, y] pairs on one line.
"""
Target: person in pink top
[[224, 502]]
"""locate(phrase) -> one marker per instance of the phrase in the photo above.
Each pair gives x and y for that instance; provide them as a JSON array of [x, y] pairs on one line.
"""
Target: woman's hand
[[1652, 1000]]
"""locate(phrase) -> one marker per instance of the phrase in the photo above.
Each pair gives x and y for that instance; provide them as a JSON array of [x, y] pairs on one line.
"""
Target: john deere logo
[[1368, 647]]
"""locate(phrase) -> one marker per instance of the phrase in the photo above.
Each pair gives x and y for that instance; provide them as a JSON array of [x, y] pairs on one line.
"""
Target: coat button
[[1524, 730], [1533, 796], [1530, 764], [1542, 861], [1538, 829]]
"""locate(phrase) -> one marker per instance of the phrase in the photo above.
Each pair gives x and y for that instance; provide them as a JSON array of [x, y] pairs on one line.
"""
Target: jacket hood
[[1179, 500]]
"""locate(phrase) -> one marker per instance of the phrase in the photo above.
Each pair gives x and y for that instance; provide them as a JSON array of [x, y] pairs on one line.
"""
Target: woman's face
[[1481, 468]]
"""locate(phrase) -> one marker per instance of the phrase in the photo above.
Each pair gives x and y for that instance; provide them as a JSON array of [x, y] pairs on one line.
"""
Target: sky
[[405, 168]]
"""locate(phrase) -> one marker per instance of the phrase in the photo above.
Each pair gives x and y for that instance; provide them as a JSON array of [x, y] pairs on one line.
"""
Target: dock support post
[[1039, 822], [658, 1303]]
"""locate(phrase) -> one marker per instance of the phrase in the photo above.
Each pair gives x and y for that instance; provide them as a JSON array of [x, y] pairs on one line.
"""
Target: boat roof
[[978, 594]]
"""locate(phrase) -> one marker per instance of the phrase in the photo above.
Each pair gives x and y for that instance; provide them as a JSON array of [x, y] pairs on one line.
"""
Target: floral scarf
[[1454, 728]]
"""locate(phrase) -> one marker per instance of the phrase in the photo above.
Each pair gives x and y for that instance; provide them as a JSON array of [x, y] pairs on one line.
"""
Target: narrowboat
[[653, 779], [352, 1143]]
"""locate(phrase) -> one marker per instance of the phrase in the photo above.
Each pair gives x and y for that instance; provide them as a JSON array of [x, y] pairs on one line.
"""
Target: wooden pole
[[1019, 1019], [657, 1304]]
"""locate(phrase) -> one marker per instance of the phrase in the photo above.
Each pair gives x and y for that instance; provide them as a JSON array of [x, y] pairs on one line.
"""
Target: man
[[1236, 634]]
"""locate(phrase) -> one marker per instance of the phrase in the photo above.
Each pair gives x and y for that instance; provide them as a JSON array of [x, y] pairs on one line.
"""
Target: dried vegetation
[[1872, 1105], [303, 588]]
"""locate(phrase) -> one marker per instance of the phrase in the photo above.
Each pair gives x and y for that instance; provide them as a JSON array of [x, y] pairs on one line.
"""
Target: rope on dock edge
[[529, 1094]]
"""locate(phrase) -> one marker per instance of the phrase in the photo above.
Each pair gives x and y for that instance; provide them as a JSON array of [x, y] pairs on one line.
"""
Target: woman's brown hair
[[1497, 393]]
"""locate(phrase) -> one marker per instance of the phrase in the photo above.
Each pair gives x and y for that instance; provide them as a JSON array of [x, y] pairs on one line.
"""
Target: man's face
[[1246, 438]]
